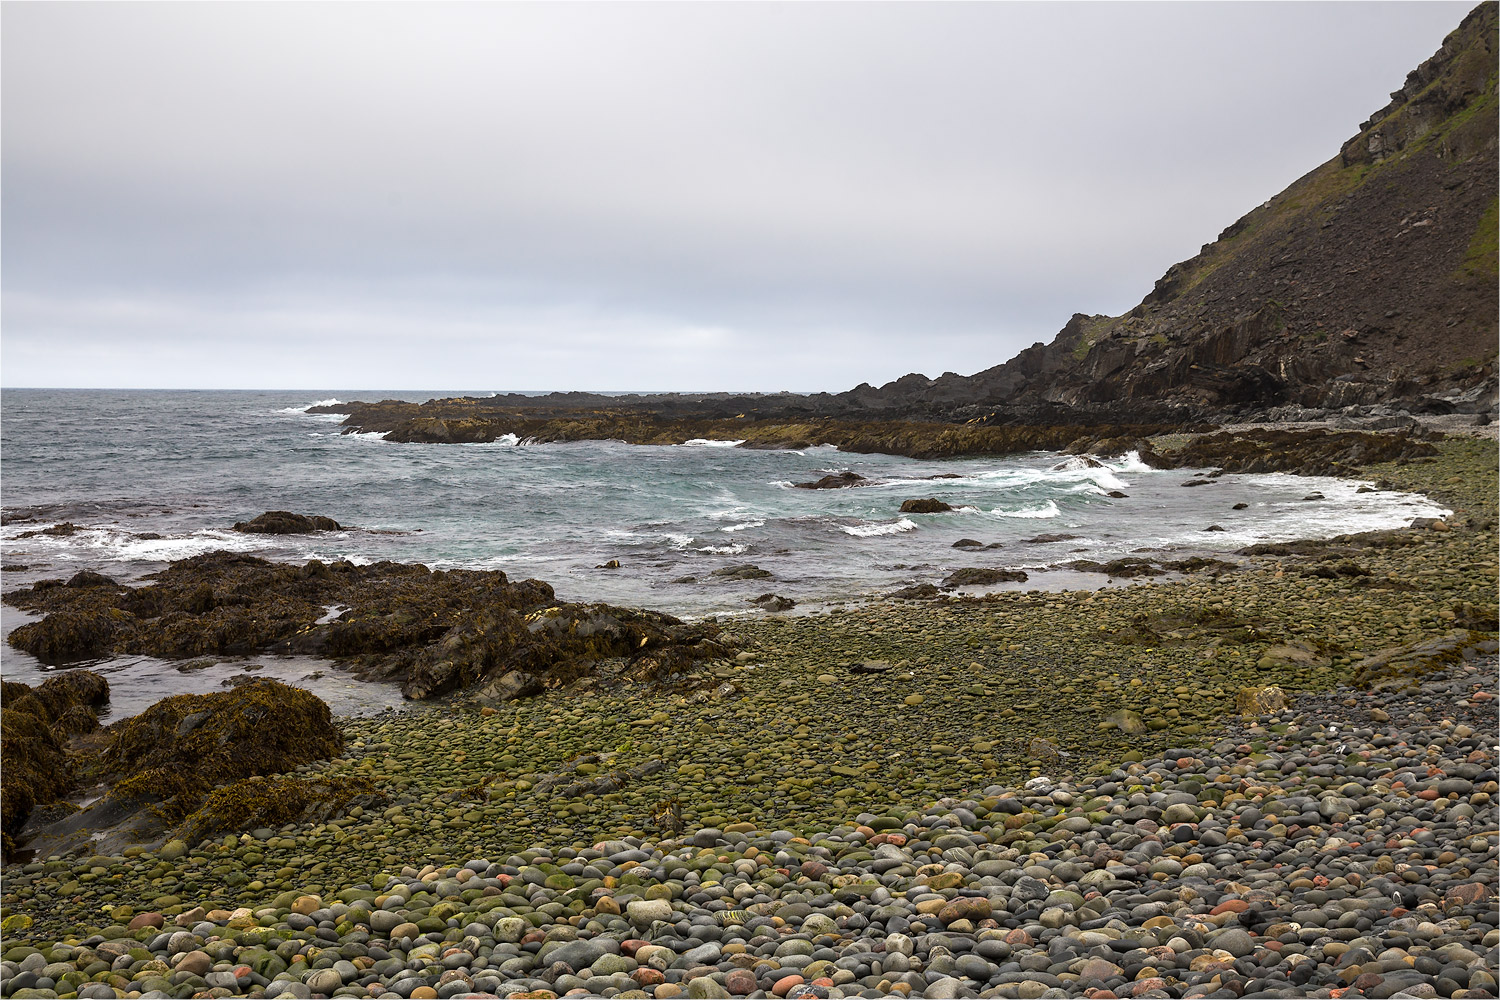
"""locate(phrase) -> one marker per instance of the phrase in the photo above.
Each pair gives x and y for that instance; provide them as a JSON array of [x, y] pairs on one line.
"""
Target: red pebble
[[786, 984], [1230, 906]]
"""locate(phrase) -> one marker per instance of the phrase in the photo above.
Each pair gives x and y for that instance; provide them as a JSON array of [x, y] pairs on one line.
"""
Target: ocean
[[152, 476]]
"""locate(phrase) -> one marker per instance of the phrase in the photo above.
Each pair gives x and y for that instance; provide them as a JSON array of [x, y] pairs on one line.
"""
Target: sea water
[[151, 476]]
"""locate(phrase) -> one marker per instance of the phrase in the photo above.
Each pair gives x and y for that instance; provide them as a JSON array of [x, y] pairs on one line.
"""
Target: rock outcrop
[[433, 632], [284, 522]]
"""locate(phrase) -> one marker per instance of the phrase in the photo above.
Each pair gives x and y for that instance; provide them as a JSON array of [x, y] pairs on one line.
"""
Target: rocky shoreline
[[866, 717]]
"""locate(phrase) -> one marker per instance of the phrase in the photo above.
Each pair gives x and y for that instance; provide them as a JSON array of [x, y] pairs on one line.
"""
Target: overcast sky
[[674, 196]]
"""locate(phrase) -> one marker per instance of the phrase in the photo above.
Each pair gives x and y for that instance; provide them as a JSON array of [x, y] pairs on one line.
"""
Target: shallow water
[[154, 476]]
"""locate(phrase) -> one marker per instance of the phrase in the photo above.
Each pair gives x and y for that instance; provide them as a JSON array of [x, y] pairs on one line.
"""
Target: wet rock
[[284, 522], [744, 571], [773, 602], [928, 505], [837, 481], [38, 723], [916, 592], [977, 576]]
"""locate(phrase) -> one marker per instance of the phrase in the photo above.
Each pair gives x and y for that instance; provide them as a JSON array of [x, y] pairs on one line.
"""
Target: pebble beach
[[1020, 795]]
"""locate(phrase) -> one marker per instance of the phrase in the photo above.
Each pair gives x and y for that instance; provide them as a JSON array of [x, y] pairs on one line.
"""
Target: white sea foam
[[709, 443], [1049, 509], [117, 545], [1130, 462], [742, 526], [678, 541], [503, 441], [307, 406], [872, 530], [366, 435], [724, 550]]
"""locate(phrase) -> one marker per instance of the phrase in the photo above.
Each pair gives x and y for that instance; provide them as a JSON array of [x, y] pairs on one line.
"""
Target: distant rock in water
[[284, 522], [927, 505], [773, 602], [745, 571], [916, 592], [840, 481]]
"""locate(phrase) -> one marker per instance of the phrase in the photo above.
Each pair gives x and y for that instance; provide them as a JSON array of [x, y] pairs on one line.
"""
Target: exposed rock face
[[284, 522], [434, 632]]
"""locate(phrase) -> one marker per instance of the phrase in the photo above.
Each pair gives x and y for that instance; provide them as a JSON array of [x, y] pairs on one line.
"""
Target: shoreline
[[814, 714]]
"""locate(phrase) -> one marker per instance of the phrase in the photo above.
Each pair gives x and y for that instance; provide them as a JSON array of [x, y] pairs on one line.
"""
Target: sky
[[635, 196]]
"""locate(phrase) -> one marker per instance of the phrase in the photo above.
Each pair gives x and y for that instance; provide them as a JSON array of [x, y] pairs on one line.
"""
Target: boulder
[[284, 522], [927, 505], [773, 602], [976, 576]]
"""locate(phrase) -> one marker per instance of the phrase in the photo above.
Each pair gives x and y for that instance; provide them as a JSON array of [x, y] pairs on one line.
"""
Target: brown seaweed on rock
[[1308, 453], [182, 747], [35, 726], [434, 632]]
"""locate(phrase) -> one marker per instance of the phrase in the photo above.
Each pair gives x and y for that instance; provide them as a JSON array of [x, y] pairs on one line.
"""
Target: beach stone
[[643, 912], [576, 954], [740, 982], [1236, 941], [323, 981], [704, 988], [196, 963]]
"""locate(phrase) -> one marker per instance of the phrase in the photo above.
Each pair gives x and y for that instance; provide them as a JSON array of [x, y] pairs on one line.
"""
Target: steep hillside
[[1370, 279]]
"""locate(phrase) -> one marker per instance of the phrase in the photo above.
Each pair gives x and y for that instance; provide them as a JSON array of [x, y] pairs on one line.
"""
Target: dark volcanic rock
[[975, 576], [834, 482], [284, 522], [773, 602], [928, 505], [916, 592], [1127, 567]]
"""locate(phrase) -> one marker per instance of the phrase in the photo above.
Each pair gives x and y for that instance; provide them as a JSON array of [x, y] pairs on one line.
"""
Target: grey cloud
[[637, 196]]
